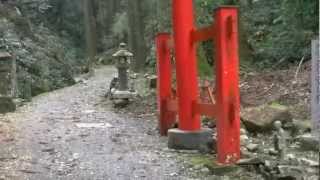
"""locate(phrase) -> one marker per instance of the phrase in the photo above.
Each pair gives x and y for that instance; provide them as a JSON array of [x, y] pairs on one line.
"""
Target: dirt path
[[50, 142]]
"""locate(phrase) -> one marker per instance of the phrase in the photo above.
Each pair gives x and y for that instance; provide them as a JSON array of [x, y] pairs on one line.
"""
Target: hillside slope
[[45, 60]]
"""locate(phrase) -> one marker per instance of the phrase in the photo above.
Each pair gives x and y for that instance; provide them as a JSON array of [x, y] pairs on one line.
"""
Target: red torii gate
[[226, 109]]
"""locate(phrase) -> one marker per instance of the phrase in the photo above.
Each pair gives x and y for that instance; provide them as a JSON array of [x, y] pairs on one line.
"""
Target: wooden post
[[316, 87], [227, 84], [166, 118], [186, 64]]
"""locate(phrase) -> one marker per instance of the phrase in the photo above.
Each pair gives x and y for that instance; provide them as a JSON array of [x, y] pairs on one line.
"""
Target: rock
[[18, 102], [222, 170], [250, 161], [252, 147], [309, 162], [28, 171], [243, 131], [152, 81], [244, 139], [290, 156], [75, 156], [269, 165], [7, 105], [308, 142], [198, 166], [302, 125], [49, 150], [173, 174], [314, 177], [290, 172], [245, 153], [292, 159], [205, 170], [212, 124], [261, 119], [273, 152]]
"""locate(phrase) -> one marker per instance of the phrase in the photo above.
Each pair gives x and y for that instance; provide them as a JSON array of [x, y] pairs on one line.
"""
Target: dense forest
[[273, 33]]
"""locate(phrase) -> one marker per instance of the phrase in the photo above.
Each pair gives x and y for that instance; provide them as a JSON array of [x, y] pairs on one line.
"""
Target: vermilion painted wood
[[205, 109], [186, 65], [172, 105], [226, 108], [203, 34], [227, 88], [166, 118]]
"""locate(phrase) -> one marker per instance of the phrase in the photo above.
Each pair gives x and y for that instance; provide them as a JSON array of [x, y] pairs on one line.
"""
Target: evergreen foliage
[[273, 33]]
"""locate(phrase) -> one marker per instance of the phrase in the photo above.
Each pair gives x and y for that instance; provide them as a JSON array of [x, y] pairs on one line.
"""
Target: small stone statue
[[279, 139]]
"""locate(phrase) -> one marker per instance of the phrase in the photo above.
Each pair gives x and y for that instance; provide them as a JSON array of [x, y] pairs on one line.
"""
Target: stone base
[[189, 140], [123, 94], [7, 105]]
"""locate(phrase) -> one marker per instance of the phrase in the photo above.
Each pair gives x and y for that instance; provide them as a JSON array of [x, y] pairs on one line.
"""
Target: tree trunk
[[164, 15], [90, 29], [136, 34]]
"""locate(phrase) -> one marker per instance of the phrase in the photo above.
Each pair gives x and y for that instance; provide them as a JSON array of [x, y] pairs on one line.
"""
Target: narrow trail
[[51, 140]]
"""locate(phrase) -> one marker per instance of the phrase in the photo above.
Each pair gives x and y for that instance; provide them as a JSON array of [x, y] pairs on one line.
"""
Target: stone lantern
[[122, 58], [7, 82], [119, 89]]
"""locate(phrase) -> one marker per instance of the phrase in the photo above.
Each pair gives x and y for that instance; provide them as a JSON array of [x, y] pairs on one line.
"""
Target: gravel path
[[49, 138]]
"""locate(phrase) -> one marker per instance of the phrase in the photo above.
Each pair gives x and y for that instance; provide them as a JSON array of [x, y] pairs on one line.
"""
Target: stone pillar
[[123, 79], [8, 82], [316, 88]]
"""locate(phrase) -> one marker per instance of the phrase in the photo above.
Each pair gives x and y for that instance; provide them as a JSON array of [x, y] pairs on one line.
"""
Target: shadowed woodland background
[[274, 34], [273, 31]]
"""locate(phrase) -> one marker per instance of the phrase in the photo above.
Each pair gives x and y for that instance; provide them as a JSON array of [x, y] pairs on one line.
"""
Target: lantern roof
[[5, 55], [122, 53]]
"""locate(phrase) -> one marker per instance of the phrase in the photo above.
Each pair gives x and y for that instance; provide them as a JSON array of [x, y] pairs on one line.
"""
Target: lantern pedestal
[[123, 94]]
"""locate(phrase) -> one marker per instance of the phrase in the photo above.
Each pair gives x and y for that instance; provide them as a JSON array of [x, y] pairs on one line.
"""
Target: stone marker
[[7, 82], [279, 140], [7, 75], [316, 88]]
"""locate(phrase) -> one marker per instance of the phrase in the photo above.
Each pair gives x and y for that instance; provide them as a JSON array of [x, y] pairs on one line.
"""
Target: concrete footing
[[201, 140]]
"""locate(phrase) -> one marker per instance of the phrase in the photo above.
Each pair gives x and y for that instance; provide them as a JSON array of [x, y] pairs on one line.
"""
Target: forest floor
[[75, 133], [266, 96]]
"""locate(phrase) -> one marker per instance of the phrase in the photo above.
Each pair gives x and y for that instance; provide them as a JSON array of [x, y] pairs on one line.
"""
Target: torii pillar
[[189, 135]]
